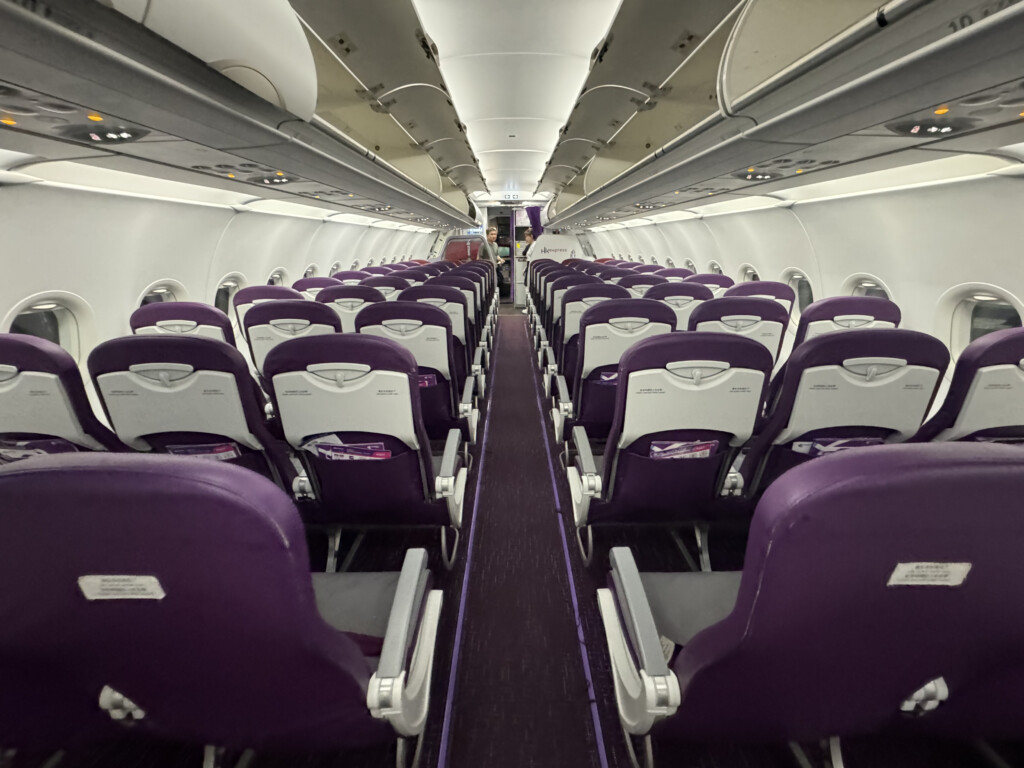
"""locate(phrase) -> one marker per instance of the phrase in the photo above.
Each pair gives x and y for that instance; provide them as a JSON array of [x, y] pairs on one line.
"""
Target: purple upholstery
[[118, 355], [389, 285], [645, 269], [435, 269], [381, 270], [770, 330], [438, 401], [340, 292], [554, 287], [662, 291], [246, 297], [815, 618], [347, 300], [716, 309], [764, 289], [481, 271], [615, 274], [351, 276], [838, 306], [453, 280], [593, 396], [714, 282], [640, 282], [765, 461], [640, 489], [236, 654], [461, 336], [28, 354], [675, 273], [313, 313], [567, 349], [310, 286], [393, 491], [1001, 348], [417, 274], [188, 311]]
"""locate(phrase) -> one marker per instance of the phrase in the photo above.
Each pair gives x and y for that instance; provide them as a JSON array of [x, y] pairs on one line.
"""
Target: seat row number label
[[929, 574], [115, 587]]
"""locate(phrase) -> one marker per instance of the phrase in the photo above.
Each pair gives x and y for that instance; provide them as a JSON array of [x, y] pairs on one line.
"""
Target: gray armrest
[[636, 613], [405, 612], [564, 401], [466, 404], [584, 455], [550, 361], [478, 361], [444, 483]]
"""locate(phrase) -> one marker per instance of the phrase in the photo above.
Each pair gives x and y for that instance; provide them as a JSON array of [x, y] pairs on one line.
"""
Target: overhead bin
[[166, 114], [257, 43], [912, 84]]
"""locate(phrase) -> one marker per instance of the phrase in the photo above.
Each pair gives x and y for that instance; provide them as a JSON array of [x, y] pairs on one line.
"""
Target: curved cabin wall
[[925, 243], [107, 247]]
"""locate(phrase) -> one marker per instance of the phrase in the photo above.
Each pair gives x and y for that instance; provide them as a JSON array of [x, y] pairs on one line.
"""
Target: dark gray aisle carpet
[[521, 695]]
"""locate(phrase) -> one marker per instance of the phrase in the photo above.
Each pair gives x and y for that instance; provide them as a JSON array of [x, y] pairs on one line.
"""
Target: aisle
[[521, 695]]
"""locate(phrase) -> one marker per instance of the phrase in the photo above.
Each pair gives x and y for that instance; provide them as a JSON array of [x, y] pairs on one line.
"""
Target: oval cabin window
[[225, 291], [870, 288], [802, 287], [989, 314], [49, 320], [158, 295]]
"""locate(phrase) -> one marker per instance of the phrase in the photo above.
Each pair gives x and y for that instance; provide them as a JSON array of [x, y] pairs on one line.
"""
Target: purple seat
[[381, 270], [309, 287], [985, 398], [645, 269], [233, 643], [485, 281], [865, 604], [188, 397], [588, 267], [717, 283], [675, 274], [438, 268], [426, 331], [534, 271], [468, 358], [684, 406], [351, 276], [762, 320], [43, 404], [846, 313], [246, 298], [614, 274], [350, 406], [389, 285], [274, 322], [478, 329], [842, 391], [683, 298], [638, 284], [188, 318], [417, 275], [607, 330], [765, 289], [575, 301], [347, 301], [555, 290]]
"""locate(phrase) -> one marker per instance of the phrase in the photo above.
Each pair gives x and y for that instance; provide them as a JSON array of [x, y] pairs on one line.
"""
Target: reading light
[[8, 120], [942, 110], [95, 118]]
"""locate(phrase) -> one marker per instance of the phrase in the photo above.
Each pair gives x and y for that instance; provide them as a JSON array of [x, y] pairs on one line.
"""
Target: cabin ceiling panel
[[495, 77]]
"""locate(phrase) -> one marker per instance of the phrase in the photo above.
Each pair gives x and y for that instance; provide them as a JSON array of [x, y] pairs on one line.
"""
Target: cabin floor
[[521, 674]]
